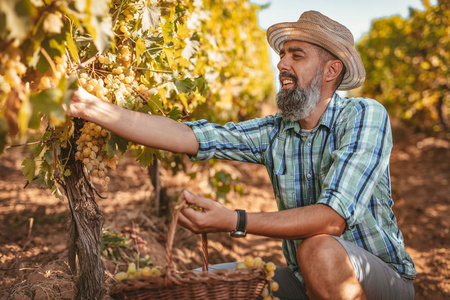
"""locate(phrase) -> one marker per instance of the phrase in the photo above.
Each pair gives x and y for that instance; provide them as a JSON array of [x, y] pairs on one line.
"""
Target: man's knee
[[327, 269], [316, 249]]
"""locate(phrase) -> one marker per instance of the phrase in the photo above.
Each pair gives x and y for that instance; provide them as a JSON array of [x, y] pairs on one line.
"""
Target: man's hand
[[80, 103], [213, 217]]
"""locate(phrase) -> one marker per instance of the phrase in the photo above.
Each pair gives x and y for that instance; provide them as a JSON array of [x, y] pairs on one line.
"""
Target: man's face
[[301, 80], [299, 59]]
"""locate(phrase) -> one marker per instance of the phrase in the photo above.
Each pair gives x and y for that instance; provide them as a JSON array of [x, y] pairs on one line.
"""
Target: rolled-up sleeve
[[245, 141], [359, 161]]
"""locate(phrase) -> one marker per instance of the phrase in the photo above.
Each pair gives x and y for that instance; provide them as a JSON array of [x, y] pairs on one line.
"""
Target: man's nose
[[283, 65]]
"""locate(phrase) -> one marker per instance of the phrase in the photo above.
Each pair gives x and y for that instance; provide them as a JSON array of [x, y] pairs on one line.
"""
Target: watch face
[[235, 233]]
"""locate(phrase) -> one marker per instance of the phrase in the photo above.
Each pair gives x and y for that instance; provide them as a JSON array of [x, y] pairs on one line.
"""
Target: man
[[328, 160]]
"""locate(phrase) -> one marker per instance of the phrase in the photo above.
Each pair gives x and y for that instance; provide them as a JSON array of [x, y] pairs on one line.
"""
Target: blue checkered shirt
[[343, 163]]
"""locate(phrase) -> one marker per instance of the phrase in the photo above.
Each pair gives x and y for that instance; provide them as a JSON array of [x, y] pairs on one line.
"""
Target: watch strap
[[241, 225]]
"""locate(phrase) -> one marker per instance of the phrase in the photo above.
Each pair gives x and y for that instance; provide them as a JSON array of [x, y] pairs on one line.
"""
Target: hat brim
[[355, 73]]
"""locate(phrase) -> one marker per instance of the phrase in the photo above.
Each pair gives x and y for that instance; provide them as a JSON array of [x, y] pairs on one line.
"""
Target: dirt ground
[[33, 223]]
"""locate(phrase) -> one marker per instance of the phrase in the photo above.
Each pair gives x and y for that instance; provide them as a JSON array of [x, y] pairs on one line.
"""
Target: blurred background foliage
[[407, 63]]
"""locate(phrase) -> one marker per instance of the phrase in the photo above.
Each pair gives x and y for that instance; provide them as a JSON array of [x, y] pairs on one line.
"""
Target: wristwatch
[[241, 226]]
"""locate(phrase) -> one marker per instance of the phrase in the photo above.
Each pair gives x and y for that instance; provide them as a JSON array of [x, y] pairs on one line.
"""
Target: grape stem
[[49, 59], [26, 144], [150, 70], [87, 62]]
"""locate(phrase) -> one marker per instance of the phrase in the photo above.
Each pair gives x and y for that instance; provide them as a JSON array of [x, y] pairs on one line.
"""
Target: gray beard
[[298, 103]]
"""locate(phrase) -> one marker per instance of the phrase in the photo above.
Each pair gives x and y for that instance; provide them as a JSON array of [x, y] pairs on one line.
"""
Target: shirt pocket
[[285, 191]]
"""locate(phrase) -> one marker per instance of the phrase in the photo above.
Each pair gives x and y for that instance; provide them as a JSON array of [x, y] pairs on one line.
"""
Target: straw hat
[[315, 28]]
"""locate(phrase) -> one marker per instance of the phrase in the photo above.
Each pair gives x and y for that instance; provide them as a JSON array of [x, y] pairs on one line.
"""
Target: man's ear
[[332, 70]]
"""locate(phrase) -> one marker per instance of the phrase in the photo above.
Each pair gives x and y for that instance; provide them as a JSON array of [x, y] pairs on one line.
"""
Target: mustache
[[287, 74]]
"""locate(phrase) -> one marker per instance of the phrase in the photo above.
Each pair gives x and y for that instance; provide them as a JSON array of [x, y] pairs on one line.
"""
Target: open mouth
[[287, 83], [287, 80]]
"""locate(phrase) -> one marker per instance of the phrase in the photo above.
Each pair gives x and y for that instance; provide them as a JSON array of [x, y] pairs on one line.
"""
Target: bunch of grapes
[[269, 268], [133, 272], [11, 68], [114, 80], [90, 151]]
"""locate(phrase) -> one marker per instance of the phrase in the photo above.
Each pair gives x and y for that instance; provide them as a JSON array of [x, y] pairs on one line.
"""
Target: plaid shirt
[[343, 163]]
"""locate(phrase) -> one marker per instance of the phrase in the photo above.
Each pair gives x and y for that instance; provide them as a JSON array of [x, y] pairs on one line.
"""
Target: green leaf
[[169, 52], [167, 31], [55, 191], [28, 169], [115, 143], [48, 102], [140, 49], [155, 103], [48, 157], [185, 86], [200, 83], [39, 149], [145, 158], [18, 14], [73, 50], [42, 176], [174, 114]]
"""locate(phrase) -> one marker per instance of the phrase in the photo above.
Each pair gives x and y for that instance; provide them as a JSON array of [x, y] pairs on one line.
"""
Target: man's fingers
[[197, 200], [188, 219]]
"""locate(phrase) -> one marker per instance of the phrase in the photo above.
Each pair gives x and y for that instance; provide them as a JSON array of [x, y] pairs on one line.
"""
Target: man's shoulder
[[361, 104]]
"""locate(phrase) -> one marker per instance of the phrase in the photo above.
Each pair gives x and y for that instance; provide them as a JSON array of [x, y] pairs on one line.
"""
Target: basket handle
[[171, 236]]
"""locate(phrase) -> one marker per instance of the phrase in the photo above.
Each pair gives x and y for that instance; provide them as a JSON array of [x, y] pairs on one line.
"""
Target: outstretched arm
[[296, 223], [150, 130]]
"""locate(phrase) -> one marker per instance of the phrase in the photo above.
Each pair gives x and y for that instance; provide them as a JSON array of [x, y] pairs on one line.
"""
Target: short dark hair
[[325, 56]]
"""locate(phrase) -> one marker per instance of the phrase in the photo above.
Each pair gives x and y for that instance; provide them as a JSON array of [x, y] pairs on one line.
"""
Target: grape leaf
[[146, 156], [72, 47], [192, 46], [48, 102], [200, 83], [174, 114], [155, 103], [185, 86], [18, 15], [115, 143], [98, 24], [28, 169], [140, 49], [167, 31], [150, 17]]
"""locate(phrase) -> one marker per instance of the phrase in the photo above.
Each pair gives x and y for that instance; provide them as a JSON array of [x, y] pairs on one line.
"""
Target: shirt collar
[[328, 117]]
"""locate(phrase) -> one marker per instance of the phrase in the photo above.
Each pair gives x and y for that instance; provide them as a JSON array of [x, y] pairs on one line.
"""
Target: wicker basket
[[246, 283]]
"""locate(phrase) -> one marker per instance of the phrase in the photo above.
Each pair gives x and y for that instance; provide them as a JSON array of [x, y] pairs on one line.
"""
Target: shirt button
[[308, 175], [309, 144]]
